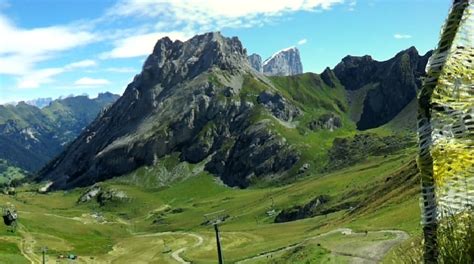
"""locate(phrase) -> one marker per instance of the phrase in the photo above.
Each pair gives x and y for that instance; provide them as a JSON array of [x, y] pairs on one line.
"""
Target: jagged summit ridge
[[185, 100], [387, 86], [188, 59], [285, 62], [279, 53]]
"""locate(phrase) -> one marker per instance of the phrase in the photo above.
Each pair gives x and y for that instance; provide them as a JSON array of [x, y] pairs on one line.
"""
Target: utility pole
[[219, 252], [43, 251]]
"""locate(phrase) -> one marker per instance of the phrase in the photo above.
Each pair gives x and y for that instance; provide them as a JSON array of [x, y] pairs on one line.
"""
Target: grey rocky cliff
[[255, 61], [278, 105], [286, 62], [186, 99]]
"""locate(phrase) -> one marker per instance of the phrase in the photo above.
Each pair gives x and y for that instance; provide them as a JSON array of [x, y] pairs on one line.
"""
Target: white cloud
[[34, 78], [139, 45], [402, 36], [86, 81], [82, 64], [21, 49], [196, 10], [352, 5], [302, 42], [180, 19], [18, 64], [121, 69]]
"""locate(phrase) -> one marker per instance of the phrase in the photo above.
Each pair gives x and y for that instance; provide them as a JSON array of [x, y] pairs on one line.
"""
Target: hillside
[[202, 99], [134, 218], [31, 136]]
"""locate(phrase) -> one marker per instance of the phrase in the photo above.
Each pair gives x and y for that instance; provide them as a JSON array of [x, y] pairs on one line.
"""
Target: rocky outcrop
[[396, 81], [278, 106], [329, 78], [312, 208], [328, 121], [256, 152], [255, 61], [186, 99], [103, 195], [286, 62]]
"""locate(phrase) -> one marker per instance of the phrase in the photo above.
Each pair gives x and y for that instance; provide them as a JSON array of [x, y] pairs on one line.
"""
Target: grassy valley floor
[[167, 224]]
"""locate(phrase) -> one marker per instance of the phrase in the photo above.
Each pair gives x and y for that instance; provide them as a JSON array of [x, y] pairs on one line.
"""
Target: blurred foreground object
[[446, 126]]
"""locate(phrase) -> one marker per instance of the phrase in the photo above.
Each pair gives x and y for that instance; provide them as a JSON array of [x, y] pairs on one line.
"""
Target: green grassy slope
[[57, 221], [30, 136]]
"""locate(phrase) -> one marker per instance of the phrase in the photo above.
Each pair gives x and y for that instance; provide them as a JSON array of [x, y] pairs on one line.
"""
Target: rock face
[[103, 195], [329, 121], [283, 63], [186, 99], [278, 105], [255, 61], [30, 137], [314, 207], [396, 81]]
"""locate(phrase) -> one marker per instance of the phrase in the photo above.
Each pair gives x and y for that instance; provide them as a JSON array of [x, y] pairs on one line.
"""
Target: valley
[[306, 168], [148, 228]]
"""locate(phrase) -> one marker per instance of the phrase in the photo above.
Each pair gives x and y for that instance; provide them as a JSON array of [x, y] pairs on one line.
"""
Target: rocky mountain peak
[[284, 63], [329, 77], [171, 62], [185, 100], [255, 61], [388, 86]]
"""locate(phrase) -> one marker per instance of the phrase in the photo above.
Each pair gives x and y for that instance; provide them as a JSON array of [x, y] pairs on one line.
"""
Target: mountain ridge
[[285, 62], [186, 99], [202, 99], [30, 136], [395, 80]]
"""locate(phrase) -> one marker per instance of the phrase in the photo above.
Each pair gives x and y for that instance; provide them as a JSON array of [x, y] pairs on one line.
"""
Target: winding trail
[[176, 254], [27, 245], [367, 255]]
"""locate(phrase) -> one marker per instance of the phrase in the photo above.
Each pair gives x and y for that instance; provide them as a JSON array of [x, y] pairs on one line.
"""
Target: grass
[[57, 221], [9, 173], [10, 253]]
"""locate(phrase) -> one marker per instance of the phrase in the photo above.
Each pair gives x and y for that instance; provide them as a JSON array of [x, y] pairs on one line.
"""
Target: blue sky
[[52, 48]]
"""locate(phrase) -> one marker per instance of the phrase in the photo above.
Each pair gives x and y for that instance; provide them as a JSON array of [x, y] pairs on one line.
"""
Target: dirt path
[[367, 255], [27, 245], [375, 253], [176, 254]]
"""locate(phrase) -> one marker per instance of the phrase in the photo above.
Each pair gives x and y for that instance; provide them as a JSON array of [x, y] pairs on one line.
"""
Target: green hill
[[31, 136]]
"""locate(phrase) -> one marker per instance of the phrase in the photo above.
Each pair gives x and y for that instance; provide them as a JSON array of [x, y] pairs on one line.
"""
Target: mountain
[[202, 101], [283, 63], [194, 97], [255, 61], [31, 136], [40, 102], [380, 90]]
